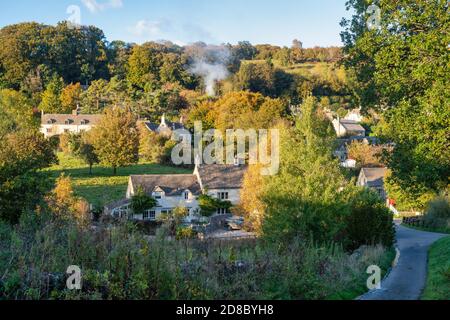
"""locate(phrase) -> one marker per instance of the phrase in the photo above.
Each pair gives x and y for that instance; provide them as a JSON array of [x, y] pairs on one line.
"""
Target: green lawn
[[102, 187], [438, 281]]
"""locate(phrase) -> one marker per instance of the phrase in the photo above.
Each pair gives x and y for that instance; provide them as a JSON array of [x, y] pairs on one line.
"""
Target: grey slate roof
[[217, 176], [173, 185], [75, 120], [351, 125], [170, 126], [374, 176], [117, 204]]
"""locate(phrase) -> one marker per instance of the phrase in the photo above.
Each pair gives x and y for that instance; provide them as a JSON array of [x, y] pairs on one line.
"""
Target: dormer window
[[69, 121], [157, 195], [186, 195], [84, 122], [51, 121]]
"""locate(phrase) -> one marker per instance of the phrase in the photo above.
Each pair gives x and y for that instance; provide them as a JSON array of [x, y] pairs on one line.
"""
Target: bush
[[438, 213], [369, 222], [119, 262]]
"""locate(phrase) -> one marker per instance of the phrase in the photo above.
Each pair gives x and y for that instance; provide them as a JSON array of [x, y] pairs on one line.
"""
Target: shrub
[[369, 222], [141, 202], [438, 213]]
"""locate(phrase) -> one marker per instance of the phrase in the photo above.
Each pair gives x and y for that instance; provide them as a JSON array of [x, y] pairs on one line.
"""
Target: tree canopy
[[400, 68]]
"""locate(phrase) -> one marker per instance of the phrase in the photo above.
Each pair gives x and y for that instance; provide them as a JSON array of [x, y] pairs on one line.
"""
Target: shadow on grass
[[99, 171]]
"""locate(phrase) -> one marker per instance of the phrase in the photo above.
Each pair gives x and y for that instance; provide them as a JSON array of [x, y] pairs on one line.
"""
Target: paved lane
[[407, 280]]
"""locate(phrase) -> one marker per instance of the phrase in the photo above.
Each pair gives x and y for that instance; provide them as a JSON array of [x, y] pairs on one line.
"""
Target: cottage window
[[49, 130], [157, 195], [150, 215], [186, 195], [223, 195], [222, 211]]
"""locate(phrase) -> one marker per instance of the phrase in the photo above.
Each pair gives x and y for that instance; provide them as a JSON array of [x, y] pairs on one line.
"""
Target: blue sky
[[278, 22]]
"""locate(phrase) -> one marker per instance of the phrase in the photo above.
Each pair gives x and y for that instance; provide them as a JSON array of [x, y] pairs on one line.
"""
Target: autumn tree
[[245, 110], [71, 98], [116, 139], [366, 155], [63, 202]]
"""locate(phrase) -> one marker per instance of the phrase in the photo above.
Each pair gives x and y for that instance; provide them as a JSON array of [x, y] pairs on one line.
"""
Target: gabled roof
[[351, 125], [218, 176], [75, 120], [117, 204], [374, 176], [172, 185]]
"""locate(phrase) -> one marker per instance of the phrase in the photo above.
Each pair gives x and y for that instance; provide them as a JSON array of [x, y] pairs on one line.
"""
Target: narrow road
[[407, 279]]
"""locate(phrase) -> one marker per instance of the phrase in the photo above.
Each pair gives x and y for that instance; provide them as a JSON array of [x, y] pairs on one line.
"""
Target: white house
[[373, 178], [354, 115], [223, 182], [57, 124], [166, 128], [348, 128]]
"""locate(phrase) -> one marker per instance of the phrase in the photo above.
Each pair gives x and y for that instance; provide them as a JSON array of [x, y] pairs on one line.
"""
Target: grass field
[[102, 187], [438, 281]]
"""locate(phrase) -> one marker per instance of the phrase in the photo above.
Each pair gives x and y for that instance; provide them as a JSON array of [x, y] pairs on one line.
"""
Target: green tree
[[141, 202], [401, 70], [308, 196], [116, 139], [22, 155], [16, 112], [96, 98], [51, 98]]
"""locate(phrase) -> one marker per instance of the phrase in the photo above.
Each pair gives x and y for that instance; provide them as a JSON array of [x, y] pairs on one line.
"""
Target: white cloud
[[146, 28], [100, 5], [165, 29]]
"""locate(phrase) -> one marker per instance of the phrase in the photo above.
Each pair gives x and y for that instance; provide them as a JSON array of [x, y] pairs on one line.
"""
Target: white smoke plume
[[209, 62]]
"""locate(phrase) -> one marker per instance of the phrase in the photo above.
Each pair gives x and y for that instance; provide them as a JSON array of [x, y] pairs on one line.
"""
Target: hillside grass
[[435, 230], [358, 286], [438, 280], [102, 187]]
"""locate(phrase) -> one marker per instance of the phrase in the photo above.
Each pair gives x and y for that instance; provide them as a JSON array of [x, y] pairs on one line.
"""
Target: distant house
[[354, 115], [349, 163], [57, 124], [223, 182], [373, 178], [348, 128], [166, 128]]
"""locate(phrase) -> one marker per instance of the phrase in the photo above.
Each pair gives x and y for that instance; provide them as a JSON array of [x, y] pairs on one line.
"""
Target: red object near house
[[392, 202]]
